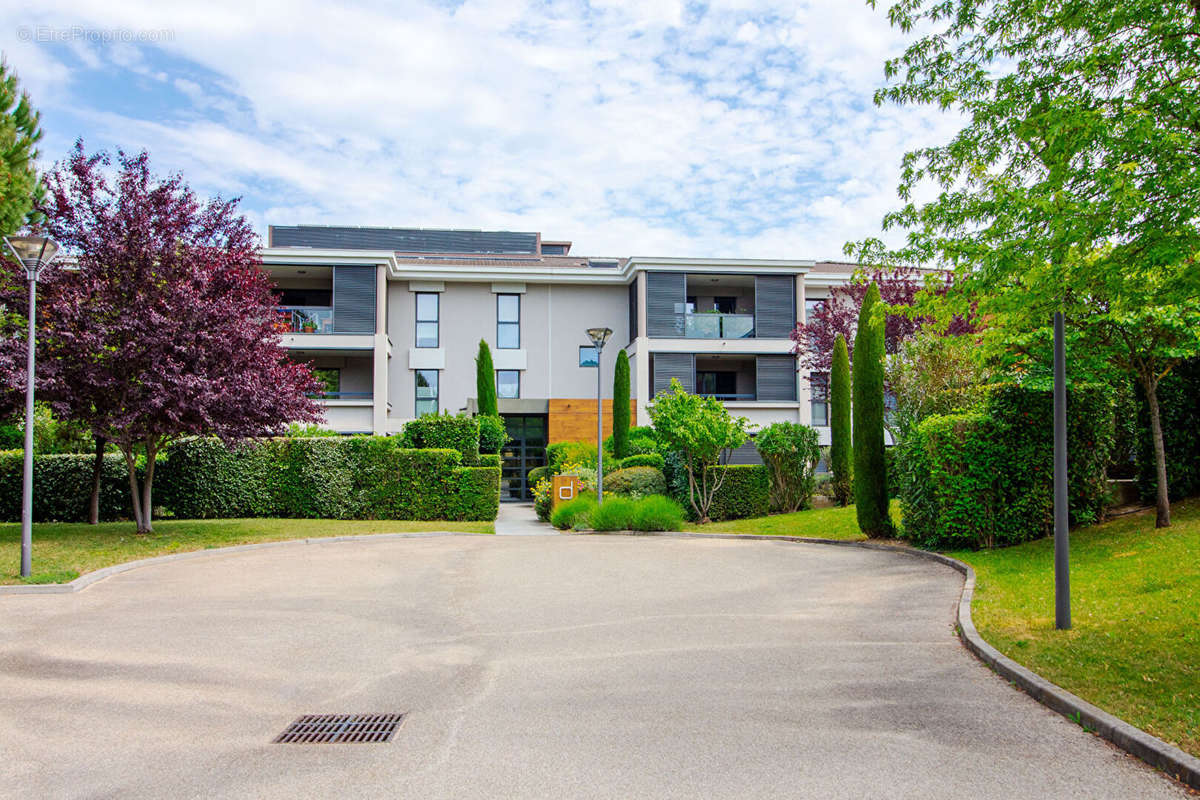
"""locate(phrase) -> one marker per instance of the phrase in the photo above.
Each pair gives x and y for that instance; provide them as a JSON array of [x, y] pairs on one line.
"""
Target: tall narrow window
[[819, 381], [508, 384], [427, 319], [427, 392], [508, 321]]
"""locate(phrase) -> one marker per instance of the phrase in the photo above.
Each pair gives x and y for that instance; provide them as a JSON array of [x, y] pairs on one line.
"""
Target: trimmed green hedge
[[985, 478], [642, 480], [62, 485], [643, 460], [444, 431], [746, 492], [363, 477]]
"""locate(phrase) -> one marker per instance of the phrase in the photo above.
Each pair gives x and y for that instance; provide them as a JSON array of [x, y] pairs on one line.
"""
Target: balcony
[[306, 319], [712, 325]]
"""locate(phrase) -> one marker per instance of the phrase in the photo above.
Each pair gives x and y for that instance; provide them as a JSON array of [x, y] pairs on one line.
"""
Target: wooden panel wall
[[573, 419]]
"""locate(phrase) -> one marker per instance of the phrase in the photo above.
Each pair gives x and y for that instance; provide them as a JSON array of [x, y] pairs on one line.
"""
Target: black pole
[[1062, 545]]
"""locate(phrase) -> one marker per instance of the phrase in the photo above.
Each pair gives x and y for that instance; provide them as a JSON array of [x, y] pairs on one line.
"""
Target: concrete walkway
[[519, 519], [564, 667]]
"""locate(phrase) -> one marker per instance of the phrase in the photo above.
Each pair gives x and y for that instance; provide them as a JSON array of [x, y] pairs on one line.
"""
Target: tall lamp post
[[34, 253], [1062, 537], [599, 336]]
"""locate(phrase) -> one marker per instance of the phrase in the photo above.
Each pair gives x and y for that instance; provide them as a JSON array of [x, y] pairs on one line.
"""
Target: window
[[721, 384], [331, 381], [508, 321], [819, 381], [427, 392], [508, 383], [811, 306], [689, 306], [427, 319], [588, 356]]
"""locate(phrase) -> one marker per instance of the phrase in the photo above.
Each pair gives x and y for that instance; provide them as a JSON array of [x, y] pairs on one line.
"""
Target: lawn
[[818, 523], [64, 551], [1134, 649]]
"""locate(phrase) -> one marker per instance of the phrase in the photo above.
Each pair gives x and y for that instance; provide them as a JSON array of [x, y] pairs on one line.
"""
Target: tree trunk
[[147, 491], [134, 493], [1162, 518], [97, 475]]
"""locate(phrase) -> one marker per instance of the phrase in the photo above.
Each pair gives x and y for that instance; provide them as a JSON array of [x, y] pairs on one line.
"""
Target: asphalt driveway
[[571, 666]]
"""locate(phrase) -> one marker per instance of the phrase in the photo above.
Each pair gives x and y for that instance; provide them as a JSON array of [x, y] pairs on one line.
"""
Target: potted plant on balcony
[[309, 326]]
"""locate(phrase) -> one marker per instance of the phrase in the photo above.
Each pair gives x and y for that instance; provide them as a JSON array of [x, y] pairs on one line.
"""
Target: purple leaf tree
[[166, 325]]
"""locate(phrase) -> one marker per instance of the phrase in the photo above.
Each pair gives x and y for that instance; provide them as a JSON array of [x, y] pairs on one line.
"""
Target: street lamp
[[599, 336], [34, 253]]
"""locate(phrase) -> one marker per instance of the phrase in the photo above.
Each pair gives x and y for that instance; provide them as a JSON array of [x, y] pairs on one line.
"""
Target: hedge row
[[984, 478], [746, 492], [360, 477], [62, 486]]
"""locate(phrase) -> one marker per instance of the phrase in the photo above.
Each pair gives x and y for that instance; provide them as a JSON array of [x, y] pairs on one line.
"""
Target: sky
[[739, 129]]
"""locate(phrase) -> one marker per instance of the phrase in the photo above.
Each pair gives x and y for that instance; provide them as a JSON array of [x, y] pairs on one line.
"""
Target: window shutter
[[664, 291], [681, 366], [774, 306], [354, 299], [776, 377]]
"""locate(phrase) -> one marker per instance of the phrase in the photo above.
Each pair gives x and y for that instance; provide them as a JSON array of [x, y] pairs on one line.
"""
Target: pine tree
[[485, 381], [19, 131], [839, 422], [870, 467], [620, 413]]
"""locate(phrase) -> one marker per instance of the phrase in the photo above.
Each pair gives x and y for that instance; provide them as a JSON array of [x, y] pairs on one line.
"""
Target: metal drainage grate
[[340, 728]]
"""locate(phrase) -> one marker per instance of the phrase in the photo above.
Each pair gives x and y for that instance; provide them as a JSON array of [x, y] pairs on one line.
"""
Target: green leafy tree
[[1081, 137], [870, 463], [620, 434], [839, 422], [485, 381], [791, 452], [700, 429], [19, 135]]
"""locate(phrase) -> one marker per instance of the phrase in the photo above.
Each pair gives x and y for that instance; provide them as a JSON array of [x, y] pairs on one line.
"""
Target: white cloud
[[631, 127]]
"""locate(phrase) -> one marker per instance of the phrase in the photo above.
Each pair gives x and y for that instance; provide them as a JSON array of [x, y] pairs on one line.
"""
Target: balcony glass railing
[[718, 326], [342, 395], [306, 319], [725, 397]]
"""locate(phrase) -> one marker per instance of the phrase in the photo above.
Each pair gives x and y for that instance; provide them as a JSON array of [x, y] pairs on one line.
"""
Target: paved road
[[557, 667]]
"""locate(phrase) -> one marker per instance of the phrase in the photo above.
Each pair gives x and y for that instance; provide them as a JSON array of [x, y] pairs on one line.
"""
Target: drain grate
[[340, 728]]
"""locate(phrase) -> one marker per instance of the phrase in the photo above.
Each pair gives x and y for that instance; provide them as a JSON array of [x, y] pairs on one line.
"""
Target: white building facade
[[392, 319]]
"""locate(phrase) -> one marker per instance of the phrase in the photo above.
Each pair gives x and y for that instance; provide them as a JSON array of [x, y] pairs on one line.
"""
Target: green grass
[[64, 551], [1134, 648], [818, 523]]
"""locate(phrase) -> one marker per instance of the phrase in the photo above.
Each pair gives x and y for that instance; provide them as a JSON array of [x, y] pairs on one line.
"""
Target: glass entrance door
[[525, 450]]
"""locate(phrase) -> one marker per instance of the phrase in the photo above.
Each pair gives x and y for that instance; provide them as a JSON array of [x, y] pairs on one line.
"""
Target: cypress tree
[[839, 422], [485, 381], [620, 413], [870, 467]]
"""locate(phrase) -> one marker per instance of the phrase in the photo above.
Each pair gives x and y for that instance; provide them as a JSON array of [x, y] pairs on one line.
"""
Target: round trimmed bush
[[614, 514], [639, 480], [657, 513], [643, 460]]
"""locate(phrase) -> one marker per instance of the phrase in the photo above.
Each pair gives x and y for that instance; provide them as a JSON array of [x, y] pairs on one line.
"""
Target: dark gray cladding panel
[[774, 306], [776, 377], [681, 366], [664, 303], [354, 299], [403, 240], [633, 310]]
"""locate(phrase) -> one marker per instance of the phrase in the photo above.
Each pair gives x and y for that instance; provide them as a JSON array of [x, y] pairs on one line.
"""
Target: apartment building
[[391, 318]]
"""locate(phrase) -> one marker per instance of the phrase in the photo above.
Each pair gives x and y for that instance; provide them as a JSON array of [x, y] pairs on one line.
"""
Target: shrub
[[643, 460], [567, 514], [295, 429], [985, 478], [745, 492], [62, 486], [485, 381], [840, 448], [542, 490], [492, 434], [489, 459], [870, 467], [636, 480], [444, 431], [642, 440], [560, 454], [614, 514], [620, 407], [657, 513], [790, 453]]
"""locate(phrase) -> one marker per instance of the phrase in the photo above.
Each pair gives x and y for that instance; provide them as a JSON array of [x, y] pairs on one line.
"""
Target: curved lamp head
[[34, 252], [599, 336]]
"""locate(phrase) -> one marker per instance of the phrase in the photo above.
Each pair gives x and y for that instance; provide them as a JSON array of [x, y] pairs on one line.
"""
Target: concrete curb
[[1154, 751], [84, 581]]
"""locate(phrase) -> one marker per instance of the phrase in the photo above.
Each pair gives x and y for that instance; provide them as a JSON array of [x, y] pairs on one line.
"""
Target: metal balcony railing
[[306, 319]]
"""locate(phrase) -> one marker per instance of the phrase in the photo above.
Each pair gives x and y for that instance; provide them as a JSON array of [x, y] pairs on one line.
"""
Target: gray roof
[[403, 240]]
